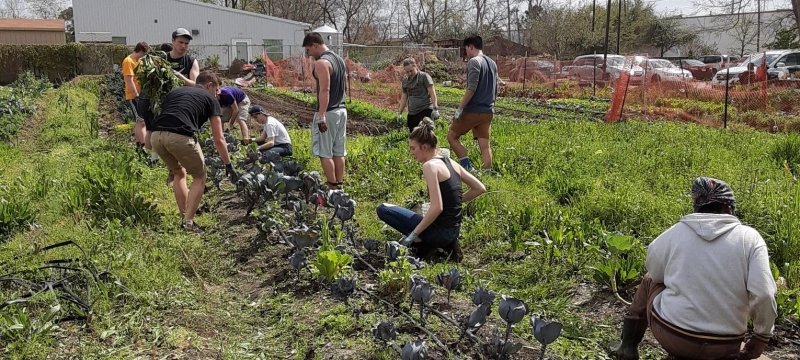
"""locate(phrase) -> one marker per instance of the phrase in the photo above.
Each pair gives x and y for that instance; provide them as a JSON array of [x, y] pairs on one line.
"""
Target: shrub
[[107, 191]]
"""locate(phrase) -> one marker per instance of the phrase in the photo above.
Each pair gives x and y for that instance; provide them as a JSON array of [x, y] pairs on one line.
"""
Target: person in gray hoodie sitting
[[706, 277]]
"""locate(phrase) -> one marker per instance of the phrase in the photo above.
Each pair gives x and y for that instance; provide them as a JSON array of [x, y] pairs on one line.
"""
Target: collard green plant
[[156, 78], [394, 277], [329, 264], [622, 262]]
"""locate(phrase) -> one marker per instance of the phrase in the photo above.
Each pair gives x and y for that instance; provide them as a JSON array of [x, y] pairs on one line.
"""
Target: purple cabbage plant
[[421, 293], [545, 332], [511, 311], [416, 350], [450, 280]]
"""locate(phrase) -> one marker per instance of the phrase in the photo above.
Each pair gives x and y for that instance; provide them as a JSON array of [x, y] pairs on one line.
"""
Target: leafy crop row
[[17, 103]]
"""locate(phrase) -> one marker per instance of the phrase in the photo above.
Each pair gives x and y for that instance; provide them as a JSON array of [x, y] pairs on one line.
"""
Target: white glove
[[399, 117], [408, 239], [458, 113], [435, 114]]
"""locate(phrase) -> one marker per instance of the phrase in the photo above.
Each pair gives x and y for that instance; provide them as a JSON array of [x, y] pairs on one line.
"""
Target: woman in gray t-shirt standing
[[418, 95]]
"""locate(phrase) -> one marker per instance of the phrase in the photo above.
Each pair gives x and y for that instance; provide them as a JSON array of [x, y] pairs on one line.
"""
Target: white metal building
[[217, 31], [730, 33]]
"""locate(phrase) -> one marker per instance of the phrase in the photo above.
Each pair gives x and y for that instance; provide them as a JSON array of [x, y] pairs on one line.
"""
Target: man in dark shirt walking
[[184, 111], [329, 127], [477, 106]]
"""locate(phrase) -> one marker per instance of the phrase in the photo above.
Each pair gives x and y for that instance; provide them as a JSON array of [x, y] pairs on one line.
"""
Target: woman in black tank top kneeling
[[440, 226]]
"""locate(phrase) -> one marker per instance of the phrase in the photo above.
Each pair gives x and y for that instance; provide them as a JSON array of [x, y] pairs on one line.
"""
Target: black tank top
[[336, 98], [451, 199], [182, 64]]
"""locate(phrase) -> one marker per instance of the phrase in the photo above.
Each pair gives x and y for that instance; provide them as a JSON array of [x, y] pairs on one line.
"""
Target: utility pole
[[608, 24], [594, 9], [758, 25], [619, 22]]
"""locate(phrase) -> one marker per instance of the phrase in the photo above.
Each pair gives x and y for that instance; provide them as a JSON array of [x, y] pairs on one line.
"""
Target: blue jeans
[[281, 149], [405, 220]]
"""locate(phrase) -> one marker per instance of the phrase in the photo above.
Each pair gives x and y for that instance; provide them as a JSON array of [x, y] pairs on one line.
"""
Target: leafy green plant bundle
[[157, 78]]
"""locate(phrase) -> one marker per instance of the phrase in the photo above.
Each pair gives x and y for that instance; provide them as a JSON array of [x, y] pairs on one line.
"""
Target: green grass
[[575, 181]]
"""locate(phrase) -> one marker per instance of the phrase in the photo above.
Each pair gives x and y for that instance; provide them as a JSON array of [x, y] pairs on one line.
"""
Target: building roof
[[326, 29], [32, 24], [222, 8]]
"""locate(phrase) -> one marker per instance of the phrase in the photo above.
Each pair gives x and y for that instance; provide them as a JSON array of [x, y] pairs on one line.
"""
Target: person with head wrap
[[707, 276]]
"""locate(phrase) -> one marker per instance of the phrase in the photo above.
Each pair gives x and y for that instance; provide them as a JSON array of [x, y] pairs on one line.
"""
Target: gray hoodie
[[717, 276]]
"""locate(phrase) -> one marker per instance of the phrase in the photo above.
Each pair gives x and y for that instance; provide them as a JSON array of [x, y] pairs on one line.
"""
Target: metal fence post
[[727, 87]]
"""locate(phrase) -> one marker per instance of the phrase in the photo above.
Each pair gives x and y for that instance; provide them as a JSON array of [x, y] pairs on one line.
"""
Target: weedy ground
[[566, 189]]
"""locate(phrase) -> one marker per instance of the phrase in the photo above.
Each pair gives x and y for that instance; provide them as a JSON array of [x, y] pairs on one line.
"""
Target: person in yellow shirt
[[132, 89]]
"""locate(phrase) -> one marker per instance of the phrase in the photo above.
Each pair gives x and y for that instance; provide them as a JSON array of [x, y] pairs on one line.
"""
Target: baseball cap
[[257, 109], [181, 32]]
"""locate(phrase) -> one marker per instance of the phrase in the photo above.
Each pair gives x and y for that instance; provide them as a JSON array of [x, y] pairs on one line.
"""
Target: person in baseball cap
[[274, 137], [185, 66], [182, 32]]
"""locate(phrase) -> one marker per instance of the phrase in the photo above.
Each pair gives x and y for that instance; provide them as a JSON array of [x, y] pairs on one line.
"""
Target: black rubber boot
[[632, 334]]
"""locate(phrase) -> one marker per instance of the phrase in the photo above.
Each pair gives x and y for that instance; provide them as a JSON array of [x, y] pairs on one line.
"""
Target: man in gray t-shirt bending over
[[477, 106]]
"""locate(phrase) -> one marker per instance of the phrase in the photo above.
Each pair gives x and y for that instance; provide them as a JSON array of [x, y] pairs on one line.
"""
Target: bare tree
[[46, 9], [745, 34], [11, 9]]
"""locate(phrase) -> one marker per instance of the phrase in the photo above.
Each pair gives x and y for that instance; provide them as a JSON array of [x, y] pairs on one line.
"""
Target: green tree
[[666, 34], [785, 38]]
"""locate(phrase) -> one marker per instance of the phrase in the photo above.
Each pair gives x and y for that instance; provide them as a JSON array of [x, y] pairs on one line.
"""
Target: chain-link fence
[[761, 91], [684, 90]]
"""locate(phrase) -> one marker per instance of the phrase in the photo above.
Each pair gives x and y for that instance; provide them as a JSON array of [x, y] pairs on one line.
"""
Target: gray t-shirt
[[274, 129], [416, 88], [482, 79]]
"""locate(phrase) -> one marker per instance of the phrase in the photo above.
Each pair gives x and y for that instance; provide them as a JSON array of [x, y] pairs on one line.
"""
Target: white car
[[662, 70], [780, 63]]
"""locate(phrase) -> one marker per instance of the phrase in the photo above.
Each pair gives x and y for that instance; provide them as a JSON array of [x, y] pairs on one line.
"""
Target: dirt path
[[287, 108]]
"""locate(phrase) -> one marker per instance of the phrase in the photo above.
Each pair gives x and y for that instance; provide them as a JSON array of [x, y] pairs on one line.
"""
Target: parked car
[[718, 62], [699, 70], [657, 70], [589, 69], [781, 64]]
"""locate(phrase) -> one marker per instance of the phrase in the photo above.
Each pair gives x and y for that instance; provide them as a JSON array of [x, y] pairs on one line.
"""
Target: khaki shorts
[[244, 108], [332, 142], [179, 152], [479, 123]]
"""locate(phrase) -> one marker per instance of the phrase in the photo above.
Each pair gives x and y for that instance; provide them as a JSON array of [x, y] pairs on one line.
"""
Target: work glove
[[408, 239], [322, 124], [231, 173], [399, 117], [458, 114], [753, 348], [435, 114]]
